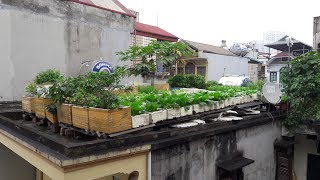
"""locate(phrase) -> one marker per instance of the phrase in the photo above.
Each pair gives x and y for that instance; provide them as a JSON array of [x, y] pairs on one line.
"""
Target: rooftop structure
[[153, 32], [207, 48]]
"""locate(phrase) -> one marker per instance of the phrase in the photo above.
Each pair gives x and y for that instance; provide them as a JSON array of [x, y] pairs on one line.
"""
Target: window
[[284, 59], [273, 77], [201, 71], [318, 48], [190, 68]]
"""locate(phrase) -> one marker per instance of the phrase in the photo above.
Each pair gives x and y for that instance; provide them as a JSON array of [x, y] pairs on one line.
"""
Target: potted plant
[[284, 103], [28, 100]]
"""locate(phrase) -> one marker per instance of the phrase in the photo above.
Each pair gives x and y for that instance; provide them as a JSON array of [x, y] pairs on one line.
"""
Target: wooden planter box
[[140, 120], [40, 106], [158, 116], [80, 117], [185, 111], [64, 112], [162, 86], [110, 120], [174, 113], [120, 120], [53, 118], [28, 104]]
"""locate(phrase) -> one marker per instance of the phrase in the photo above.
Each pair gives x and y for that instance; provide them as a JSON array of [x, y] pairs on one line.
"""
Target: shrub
[[48, 76], [147, 89], [187, 81], [178, 80], [211, 83], [196, 81], [31, 89]]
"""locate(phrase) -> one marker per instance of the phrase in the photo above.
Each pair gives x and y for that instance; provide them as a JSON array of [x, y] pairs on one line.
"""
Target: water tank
[[239, 49]]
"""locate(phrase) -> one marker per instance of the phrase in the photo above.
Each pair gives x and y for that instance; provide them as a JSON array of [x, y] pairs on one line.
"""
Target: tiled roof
[[109, 5], [154, 32], [209, 48]]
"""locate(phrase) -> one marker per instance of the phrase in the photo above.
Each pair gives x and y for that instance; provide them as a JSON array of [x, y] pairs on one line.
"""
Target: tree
[[145, 58], [301, 86]]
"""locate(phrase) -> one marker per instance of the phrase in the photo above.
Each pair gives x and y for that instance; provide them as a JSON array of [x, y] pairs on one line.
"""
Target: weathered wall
[[197, 159], [229, 65], [13, 167], [38, 35], [302, 148], [316, 33]]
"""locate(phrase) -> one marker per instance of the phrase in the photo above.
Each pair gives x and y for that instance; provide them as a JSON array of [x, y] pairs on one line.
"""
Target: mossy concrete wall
[[197, 159]]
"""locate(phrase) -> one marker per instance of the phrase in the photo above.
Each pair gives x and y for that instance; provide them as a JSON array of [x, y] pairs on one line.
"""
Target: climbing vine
[[301, 85]]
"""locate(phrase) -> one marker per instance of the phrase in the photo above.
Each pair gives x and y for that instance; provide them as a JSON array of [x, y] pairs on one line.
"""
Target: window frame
[[272, 76]]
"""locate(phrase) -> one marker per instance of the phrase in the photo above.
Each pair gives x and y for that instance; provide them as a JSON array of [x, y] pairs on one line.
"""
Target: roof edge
[[111, 10]]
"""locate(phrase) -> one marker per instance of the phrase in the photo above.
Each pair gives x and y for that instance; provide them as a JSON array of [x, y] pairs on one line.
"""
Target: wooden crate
[[53, 118], [40, 106], [80, 117], [110, 120], [64, 112], [164, 86], [120, 120], [28, 104], [99, 119]]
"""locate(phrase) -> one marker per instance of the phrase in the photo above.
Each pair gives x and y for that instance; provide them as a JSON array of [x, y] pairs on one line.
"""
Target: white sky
[[210, 21]]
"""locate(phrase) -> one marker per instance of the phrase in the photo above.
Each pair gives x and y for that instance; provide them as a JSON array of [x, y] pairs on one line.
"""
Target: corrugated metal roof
[[154, 32], [109, 5], [209, 48]]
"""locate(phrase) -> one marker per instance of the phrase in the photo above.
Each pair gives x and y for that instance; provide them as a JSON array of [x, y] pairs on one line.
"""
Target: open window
[[231, 169]]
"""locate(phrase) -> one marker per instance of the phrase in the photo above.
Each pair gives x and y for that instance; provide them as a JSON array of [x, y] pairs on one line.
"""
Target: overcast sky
[[210, 21]]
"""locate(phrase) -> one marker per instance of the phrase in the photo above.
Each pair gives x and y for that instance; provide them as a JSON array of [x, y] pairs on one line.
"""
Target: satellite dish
[[272, 92]]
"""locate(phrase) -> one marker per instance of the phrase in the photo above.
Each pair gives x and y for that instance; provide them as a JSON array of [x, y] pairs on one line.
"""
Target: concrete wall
[[197, 159], [13, 167], [316, 32], [302, 148], [229, 65], [37, 35]]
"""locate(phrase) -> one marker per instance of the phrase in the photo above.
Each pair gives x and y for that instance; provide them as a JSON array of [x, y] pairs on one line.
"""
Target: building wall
[[302, 148], [219, 65], [197, 159], [316, 33], [253, 71], [38, 35], [274, 68], [13, 167]]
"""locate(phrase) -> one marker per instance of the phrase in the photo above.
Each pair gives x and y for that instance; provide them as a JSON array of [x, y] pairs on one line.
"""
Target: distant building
[[316, 33], [212, 62], [268, 37], [277, 62]]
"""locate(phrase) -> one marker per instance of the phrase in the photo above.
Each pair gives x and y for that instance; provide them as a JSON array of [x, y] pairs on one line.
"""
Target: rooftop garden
[[97, 102]]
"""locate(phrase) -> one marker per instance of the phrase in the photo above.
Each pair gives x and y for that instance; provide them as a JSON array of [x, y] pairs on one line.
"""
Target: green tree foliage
[[144, 58], [301, 85]]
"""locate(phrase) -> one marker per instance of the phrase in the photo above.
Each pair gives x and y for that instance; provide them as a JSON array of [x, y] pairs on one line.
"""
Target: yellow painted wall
[[124, 164], [127, 165]]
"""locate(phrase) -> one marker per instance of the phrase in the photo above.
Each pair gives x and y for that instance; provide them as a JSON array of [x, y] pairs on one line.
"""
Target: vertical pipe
[[149, 165]]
